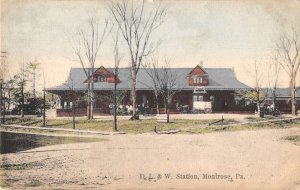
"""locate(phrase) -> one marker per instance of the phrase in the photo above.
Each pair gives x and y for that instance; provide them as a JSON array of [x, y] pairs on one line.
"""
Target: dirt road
[[258, 159]]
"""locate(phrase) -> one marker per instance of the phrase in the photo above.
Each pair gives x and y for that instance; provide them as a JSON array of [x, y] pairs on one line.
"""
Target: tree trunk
[[92, 100], [22, 99], [88, 109], [168, 111], [292, 91], [166, 105], [73, 108], [2, 103], [258, 109], [34, 84], [133, 91], [258, 103], [157, 108], [115, 127], [8, 100], [44, 108], [274, 102]]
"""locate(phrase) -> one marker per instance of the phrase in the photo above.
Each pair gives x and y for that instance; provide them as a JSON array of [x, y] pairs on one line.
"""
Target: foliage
[[252, 95], [34, 106]]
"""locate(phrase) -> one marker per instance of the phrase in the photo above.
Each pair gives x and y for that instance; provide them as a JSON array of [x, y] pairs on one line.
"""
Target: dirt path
[[259, 159]]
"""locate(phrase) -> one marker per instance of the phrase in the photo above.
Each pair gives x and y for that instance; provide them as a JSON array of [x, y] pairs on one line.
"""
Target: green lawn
[[266, 117], [143, 126], [14, 142], [255, 126], [137, 126]]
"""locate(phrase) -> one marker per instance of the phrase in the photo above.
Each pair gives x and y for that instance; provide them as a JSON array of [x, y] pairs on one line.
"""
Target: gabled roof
[[219, 79], [101, 68], [200, 68]]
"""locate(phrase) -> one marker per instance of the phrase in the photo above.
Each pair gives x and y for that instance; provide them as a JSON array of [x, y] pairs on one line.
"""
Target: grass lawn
[[266, 117], [143, 126], [14, 142], [255, 126], [137, 126]]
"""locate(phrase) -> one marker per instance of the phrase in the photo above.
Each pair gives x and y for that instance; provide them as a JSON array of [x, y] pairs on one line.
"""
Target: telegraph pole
[[44, 104], [1, 110], [2, 74]]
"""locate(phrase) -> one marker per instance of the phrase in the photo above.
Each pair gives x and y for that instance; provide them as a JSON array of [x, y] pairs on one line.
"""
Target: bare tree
[[32, 70], [90, 41], [167, 83], [257, 85], [117, 60], [287, 48], [273, 77], [137, 27], [19, 91], [257, 95], [151, 68], [22, 84]]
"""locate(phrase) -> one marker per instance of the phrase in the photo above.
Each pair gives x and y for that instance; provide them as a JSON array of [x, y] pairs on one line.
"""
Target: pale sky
[[221, 33]]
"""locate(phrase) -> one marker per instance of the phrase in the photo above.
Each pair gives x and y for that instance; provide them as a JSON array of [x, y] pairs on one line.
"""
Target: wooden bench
[[162, 118]]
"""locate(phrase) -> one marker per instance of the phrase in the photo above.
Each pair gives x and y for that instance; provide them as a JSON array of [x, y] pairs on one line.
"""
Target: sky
[[220, 33]]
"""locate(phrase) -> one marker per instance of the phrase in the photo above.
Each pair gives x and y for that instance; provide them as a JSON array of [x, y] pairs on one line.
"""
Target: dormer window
[[101, 78], [198, 77], [198, 80]]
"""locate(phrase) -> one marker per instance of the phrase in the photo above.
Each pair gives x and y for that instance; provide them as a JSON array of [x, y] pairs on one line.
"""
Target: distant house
[[218, 85]]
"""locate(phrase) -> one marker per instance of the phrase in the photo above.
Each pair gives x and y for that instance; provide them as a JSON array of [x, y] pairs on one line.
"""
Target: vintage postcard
[[150, 94]]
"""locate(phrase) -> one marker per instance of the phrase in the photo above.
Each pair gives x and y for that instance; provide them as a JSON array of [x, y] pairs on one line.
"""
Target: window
[[198, 98], [198, 80], [101, 78]]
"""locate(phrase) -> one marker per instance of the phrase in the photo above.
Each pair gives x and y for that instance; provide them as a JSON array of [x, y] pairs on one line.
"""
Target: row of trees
[[18, 92], [136, 25]]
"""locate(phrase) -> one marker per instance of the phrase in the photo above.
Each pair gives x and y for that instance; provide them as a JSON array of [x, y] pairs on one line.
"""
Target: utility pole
[[115, 100], [44, 107], [1, 110], [2, 76], [44, 104]]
